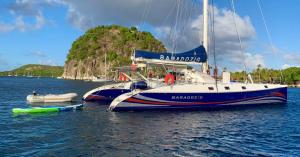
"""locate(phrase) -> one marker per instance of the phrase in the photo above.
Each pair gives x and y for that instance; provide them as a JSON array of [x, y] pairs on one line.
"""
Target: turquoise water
[[257, 131]]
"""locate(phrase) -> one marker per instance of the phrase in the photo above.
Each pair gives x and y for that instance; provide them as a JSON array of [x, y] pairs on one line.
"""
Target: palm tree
[[259, 66]]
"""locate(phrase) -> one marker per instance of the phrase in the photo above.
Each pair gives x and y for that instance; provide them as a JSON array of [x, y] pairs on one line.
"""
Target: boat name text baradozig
[[187, 97], [187, 59]]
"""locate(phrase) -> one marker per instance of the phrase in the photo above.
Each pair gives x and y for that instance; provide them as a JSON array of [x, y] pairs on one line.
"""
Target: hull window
[[210, 88]]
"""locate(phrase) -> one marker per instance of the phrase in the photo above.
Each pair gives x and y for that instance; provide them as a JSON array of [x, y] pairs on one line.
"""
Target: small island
[[35, 70]]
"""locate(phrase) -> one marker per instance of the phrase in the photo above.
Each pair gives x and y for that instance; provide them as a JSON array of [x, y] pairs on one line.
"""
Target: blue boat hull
[[146, 101]]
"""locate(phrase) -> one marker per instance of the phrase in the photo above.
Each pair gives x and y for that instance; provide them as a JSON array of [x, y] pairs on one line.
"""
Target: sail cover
[[197, 55]]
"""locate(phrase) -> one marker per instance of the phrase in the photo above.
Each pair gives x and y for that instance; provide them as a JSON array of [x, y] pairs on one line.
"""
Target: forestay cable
[[268, 32], [239, 37]]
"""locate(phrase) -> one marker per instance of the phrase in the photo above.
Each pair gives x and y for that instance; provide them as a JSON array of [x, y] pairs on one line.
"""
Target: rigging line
[[168, 15], [169, 35], [178, 14], [186, 17], [239, 37], [268, 32], [266, 27], [214, 41], [164, 23], [146, 12], [176, 23], [178, 27], [180, 18]]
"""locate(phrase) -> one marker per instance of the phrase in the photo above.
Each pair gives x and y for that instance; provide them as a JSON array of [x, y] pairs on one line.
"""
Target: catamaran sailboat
[[204, 93], [108, 93]]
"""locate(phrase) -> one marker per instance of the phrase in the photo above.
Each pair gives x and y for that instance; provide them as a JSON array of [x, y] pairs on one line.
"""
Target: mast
[[205, 33], [105, 67]]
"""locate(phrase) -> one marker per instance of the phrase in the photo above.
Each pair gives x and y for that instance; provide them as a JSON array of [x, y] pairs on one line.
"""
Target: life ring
[[122, 77], [169, 77]]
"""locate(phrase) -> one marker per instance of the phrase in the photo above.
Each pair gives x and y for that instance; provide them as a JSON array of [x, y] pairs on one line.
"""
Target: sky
[[42, 31]]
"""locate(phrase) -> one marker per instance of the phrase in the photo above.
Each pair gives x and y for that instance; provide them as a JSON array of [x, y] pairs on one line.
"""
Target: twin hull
[[105, 95], [172, 99]]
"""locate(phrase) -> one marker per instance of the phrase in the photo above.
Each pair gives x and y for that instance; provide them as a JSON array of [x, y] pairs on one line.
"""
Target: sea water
[[269, 130]]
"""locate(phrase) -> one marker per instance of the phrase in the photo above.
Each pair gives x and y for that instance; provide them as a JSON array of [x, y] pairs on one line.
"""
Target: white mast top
[[105, 66], [205, 33]]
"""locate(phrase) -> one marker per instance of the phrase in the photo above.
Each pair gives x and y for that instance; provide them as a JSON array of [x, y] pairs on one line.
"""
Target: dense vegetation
[[35, 70], [117, 41], [286, 76]]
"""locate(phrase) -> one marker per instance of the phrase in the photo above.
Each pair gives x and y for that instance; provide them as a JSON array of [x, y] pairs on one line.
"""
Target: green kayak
[[46, 109], [35, 110]]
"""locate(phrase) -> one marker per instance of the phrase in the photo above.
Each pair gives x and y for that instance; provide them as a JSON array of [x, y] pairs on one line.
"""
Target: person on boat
[[271, 78], [215, 72], [208, 70], [150, 75], [34, 93]]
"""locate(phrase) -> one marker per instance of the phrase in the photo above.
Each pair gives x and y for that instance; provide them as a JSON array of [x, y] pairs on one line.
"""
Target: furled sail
[[197, 55]]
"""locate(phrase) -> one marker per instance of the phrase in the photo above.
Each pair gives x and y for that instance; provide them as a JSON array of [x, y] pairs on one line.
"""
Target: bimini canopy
[[194, 56]]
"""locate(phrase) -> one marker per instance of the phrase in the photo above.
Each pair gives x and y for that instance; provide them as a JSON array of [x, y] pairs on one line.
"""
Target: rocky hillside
[[86, 56], [35, 70]]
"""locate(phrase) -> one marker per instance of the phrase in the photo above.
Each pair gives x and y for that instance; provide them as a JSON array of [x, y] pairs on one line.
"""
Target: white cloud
[[42, 58], [40, 21], [130, 12], [77, 19], [159, 15], [25, 9], [20, 24], [3, 63], [182, 35], [226, 40], [6, 27], [293, 58], [253, 60], [47, 62], [38, 54], [285, 66]]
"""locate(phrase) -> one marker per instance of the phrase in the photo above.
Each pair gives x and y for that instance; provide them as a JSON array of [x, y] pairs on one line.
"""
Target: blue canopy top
[[197, 55]]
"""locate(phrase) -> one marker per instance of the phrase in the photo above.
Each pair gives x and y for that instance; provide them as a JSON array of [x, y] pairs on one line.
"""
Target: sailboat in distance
[[206, 92]]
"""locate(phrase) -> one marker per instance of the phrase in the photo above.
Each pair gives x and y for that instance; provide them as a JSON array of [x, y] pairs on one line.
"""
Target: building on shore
[[297, 83]]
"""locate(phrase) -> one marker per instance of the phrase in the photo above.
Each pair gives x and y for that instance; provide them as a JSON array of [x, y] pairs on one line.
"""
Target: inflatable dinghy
[[35, 98]]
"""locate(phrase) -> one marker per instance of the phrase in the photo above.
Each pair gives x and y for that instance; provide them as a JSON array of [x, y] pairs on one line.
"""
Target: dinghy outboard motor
[[139, 85]]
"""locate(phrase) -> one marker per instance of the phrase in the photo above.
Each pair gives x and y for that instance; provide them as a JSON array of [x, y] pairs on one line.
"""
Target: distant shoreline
[[34, 70]]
